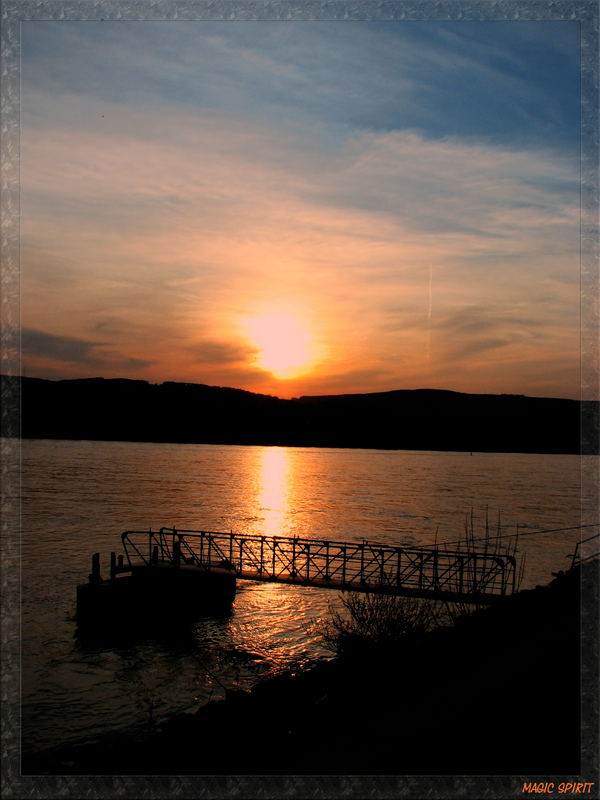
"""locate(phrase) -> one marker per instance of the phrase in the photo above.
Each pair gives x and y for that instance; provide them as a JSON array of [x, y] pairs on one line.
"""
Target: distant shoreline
[[291, 444], [99, 409]]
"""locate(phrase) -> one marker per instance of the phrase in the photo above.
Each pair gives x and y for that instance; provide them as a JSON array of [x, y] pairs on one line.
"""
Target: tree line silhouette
[[421, 419]]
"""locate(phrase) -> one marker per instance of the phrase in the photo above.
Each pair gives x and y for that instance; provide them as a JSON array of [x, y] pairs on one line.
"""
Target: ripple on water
[[79, 496]]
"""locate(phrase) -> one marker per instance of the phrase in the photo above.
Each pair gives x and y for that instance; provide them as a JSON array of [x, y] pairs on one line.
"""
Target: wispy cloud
[[43, 347], [412, 191], [470, 79], [61, 348], [221, 353]]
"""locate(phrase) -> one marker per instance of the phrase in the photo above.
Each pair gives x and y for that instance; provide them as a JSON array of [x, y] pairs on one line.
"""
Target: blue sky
[[502, 82], [405, 193]]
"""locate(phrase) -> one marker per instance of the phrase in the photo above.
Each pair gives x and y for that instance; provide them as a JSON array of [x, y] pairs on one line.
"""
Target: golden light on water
[[273, 498]]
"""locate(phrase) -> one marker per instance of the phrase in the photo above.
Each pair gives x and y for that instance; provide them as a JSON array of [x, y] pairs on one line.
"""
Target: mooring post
[[113, 566], [95, 576], [176, 552], [120, 562]]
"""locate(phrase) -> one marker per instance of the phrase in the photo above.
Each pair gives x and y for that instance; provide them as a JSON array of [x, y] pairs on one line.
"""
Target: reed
[[377, 621], [382, 621]]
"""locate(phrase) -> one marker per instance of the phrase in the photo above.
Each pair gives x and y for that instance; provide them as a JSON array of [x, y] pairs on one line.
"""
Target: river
[[78, 496]]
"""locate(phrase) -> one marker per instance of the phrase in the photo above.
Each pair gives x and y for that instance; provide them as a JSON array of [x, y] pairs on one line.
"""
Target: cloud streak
[[165, 203], [44, 347], [221, 353]]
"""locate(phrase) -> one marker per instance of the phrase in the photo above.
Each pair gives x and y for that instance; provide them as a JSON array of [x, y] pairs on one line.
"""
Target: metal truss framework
[[468, 575]]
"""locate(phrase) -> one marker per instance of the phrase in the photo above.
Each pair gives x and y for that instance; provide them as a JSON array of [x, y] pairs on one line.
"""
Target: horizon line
[[326, 395]]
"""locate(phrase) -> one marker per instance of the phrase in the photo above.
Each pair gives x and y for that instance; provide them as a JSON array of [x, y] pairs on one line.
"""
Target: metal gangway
[[429, 572]]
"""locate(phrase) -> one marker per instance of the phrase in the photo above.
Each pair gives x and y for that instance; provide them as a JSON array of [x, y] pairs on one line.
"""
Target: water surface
[[77, 498]]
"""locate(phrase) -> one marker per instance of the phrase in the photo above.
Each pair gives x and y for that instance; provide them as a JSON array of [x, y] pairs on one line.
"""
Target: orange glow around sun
[[285, 347]]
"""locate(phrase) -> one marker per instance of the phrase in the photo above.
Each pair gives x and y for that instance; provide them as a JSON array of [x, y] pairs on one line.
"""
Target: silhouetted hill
[[422, 419]]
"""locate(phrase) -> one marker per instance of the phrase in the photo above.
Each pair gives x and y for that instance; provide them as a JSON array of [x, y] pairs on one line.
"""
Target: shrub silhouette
[[377, 621]]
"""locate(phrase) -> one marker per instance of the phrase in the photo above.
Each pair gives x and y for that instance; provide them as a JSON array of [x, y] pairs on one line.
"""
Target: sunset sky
[[302, 207]]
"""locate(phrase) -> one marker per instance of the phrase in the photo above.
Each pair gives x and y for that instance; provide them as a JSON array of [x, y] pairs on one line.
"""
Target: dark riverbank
[[499, 693], [422, 419]]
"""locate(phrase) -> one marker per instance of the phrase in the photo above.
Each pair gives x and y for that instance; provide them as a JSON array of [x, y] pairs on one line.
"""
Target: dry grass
[[377, 621]]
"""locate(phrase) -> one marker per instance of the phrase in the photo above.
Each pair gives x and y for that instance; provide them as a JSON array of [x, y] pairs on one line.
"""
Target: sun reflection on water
[[274, 490]]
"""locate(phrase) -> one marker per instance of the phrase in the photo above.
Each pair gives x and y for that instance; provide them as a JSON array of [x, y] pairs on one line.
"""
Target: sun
[[282, 340]]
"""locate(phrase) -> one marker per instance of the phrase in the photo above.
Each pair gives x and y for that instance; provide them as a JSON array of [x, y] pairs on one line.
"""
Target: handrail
[[365, 566], [575, 560]]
